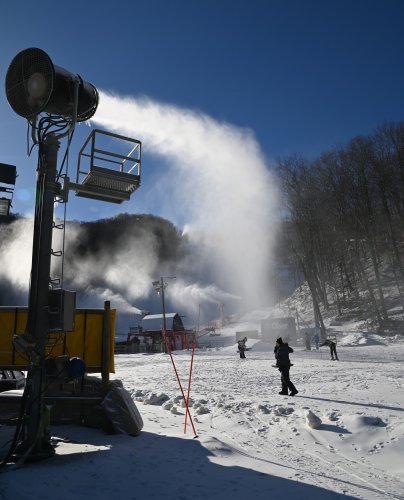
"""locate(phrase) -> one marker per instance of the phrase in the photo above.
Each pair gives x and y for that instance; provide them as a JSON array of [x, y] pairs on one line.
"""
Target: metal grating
[[109, 179]]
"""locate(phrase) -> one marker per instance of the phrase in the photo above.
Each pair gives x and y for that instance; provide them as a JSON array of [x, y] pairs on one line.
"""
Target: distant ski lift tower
[[221, 307]]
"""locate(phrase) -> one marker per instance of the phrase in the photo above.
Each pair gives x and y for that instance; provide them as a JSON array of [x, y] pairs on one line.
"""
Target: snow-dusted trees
[[345, 219]]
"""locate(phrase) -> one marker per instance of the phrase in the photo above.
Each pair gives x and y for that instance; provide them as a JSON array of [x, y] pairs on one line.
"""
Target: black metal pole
[[37, 440], [105, 354]]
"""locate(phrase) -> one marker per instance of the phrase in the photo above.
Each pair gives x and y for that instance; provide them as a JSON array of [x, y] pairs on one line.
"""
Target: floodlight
[[8, 174], [5, 206], [35, 85]]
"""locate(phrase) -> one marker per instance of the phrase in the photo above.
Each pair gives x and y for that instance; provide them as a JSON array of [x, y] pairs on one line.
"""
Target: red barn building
[[148, 336]]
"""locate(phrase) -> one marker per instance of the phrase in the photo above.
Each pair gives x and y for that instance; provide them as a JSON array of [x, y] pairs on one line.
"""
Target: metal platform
[[105, 175]]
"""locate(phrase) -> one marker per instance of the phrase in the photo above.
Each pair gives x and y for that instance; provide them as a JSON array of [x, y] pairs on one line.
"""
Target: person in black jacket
[[283, 363]]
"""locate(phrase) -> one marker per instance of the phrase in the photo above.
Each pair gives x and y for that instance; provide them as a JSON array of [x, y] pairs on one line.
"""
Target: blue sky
[[304, 76]]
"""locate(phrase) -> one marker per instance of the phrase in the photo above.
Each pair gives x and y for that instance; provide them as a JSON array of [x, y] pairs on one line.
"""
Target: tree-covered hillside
[[344, 224]]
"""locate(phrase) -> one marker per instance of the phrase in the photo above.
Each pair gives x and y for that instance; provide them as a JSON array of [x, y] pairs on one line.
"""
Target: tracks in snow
[[331, 469]]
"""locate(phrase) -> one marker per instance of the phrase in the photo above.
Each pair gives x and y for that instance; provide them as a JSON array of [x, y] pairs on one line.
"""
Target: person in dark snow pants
[[283, 363], [333, 349], [242, 347]]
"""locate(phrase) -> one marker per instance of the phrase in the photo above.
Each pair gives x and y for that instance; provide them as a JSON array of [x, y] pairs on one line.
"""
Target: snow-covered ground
[[342, 435]]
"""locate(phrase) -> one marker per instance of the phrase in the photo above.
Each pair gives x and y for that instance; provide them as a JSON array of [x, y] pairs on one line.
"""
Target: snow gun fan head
[[35, 85]]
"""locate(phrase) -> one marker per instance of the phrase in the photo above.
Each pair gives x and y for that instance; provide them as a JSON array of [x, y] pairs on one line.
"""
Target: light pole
[[294, 310], [160, 285], [199, 319], [221, 307]]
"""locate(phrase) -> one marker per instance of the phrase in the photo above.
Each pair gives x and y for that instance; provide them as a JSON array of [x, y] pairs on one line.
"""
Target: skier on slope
[[333, 348]]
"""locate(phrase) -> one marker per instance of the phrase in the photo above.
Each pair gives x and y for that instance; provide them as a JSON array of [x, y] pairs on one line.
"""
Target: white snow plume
[[123, 277], [95, 297], [196, 292], [217, 183], [187, 297], [16, 253], [127, 271]]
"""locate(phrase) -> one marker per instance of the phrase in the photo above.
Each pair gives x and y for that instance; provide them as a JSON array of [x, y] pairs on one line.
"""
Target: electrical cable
[[63, 244], [36, 251], [65, 210], [66, 155], [20, 420], [23, 414]]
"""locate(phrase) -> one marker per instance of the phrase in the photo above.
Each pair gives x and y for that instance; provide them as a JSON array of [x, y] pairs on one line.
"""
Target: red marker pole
[[179, 382], [189, 385]]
